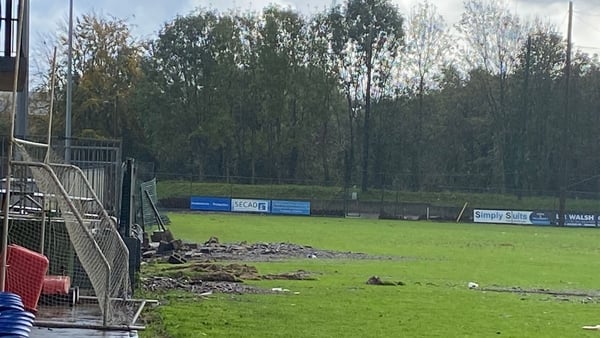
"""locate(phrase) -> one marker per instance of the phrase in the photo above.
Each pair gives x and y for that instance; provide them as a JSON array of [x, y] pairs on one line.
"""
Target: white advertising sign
[[250, 205], [502, 216]]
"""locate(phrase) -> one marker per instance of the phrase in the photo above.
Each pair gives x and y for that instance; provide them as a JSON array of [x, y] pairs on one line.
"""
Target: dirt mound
[[215, 272], [213, 250], [196, 267], [162, 284], [376, 280], [298, 275], [202, 277]]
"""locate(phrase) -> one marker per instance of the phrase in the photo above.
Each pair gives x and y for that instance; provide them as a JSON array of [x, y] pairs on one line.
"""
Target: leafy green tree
[[366, 36], [106, 70], [582, 140], [179, 70], [494, 36], [539, 76], [280, 55], [326, 100], [427, 46], [278, 96]]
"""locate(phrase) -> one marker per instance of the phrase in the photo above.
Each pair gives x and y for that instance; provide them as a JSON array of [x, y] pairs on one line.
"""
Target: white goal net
[[60, 216]]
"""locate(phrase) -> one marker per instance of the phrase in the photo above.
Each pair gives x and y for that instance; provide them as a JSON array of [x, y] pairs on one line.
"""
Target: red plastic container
[[25, 274], [56, 285]]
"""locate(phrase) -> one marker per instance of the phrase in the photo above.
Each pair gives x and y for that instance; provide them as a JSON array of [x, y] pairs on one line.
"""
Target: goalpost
[[82, 242], [51, 209]]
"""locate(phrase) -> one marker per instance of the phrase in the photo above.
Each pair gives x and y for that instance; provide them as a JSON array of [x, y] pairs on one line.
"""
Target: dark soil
[[204, 268], [242, 251]]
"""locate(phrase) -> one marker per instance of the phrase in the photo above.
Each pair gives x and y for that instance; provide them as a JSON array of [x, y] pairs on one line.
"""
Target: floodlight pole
[[565, 128], [51, 109], [69, 86], [21, 118], [11, 141]]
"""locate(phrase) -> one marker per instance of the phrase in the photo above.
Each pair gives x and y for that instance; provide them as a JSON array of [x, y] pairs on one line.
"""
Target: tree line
[[356, 94]]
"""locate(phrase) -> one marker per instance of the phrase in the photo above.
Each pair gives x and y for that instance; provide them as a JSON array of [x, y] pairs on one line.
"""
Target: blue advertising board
[[205, 203], [579, 219], [290, 207], [540, 218]]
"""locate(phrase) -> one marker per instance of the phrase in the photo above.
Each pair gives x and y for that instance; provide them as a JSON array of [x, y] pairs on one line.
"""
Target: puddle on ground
[[82, 314]]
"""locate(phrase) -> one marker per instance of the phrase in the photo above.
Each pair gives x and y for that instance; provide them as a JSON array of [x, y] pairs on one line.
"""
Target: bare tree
[[493, 37], [366, 33], [426, 47]]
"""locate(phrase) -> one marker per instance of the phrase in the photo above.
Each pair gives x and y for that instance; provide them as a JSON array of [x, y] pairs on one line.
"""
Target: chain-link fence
[[333, 198]]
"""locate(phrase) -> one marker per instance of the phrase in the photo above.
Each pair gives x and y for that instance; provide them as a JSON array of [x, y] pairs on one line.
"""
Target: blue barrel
[[15, 322]]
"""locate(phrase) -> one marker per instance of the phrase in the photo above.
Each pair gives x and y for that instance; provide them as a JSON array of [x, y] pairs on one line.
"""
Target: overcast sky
[[148, 16]]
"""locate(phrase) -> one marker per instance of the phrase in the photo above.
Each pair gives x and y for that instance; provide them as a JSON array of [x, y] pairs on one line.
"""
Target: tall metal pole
[[51, 110], [47, 157], [11, 141], [23, 95], [565, 129], [69, 86]]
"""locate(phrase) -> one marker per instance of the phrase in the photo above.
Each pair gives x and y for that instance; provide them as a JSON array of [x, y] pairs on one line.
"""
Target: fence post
[[461, 212], [381, 211], [396, 204]]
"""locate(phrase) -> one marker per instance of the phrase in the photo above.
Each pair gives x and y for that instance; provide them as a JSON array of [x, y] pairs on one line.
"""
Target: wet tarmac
[[43, 332], [82, 314]]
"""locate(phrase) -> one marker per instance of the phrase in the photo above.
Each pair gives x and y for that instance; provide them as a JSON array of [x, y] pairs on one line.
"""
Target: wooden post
[[461, 212]]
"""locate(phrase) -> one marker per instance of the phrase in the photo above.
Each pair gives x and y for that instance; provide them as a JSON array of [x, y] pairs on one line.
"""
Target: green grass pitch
[[437, 260]]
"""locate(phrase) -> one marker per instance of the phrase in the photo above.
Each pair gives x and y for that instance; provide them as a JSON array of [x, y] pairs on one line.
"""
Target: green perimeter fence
[[441, 203]]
